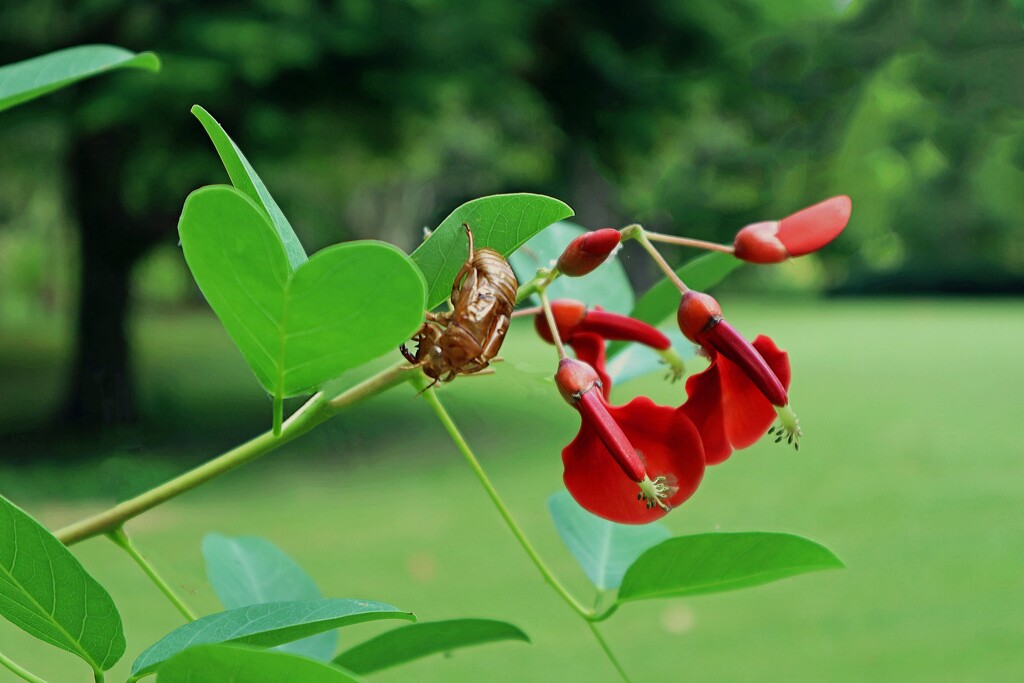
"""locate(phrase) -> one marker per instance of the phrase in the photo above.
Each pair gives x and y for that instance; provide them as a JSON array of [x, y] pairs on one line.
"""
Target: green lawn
[[912, 471]]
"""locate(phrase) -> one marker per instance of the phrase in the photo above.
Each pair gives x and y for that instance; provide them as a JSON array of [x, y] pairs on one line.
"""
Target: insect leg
[[408, 354]]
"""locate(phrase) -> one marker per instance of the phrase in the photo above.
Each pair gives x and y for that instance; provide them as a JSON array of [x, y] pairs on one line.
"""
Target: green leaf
[[32, 78], [348, 304], [233, 664], [246, 570], [407, 643], [607, 286], [713, 563], [243, 176], [502, 222], [266, 625], [45, 591], [662, 300], [603, 549]]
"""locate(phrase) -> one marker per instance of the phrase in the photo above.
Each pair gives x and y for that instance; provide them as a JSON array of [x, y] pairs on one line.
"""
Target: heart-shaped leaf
[[234, 664], [414, 641], [662, 300], [246, 570], [243, 176], [713, 563], [346, 305], [502, 222], [607, 286], [603, 549], [32, 78], [266, 625], [45, 591]]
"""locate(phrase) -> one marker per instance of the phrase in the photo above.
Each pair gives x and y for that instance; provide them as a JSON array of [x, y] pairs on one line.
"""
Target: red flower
[[629, 464], [587, 330], [737, 398], [805, 231]]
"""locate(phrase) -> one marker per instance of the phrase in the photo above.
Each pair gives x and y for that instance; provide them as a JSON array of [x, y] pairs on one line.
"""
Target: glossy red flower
[[734, 402], [801, 233], [629, 464]]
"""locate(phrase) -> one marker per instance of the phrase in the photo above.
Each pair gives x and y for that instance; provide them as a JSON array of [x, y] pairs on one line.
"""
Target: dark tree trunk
[[101, 392]]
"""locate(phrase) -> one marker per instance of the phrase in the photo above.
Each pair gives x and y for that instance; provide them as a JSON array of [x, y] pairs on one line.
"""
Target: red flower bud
[[575, 378], [588, 251], [805, 231], [698, 313], [623, 328], [724, 338]]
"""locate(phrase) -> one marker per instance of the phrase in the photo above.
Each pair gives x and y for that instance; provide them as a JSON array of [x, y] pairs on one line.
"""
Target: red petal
[[623, 328], [728, 409], [567, 313], [812, 228], [589, 348], [667, 442]]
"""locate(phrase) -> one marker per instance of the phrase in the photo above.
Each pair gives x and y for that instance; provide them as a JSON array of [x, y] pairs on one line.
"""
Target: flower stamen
[[789, 427], [655, 492]]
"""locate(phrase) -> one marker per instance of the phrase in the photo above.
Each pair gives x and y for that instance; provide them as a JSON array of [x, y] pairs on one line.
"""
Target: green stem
[[430, 396], [315, 411], [689, 242], [98, 677], [460, 442], [540, 281], [608, 651], [278, 419], [119, 537], [20, 672], [637, 233]]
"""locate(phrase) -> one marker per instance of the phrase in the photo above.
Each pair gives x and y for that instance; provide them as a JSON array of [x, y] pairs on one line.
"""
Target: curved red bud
[[568, 315], [801, 233], [588, 251], [759, 243], [594, 411], [574, 379], [698, 313], [812, 228], [623, 328]]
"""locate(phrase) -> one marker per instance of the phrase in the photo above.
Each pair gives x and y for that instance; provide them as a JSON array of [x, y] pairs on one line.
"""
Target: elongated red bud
[[801, 233], [580, 387], [588, 251], [724, 339], [568, 315], [698, 313]]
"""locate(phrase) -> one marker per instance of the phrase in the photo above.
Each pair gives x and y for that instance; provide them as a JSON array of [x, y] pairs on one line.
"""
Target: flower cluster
[[633, 463]]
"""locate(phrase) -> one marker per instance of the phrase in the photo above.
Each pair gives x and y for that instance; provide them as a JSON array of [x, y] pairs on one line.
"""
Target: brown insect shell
[[483, 297]]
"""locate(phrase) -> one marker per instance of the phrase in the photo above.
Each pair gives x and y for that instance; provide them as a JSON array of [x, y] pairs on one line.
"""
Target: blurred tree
[[373, 118]]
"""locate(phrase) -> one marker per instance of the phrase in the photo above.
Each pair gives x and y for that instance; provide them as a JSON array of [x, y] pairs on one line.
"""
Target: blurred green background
[[376, 118]]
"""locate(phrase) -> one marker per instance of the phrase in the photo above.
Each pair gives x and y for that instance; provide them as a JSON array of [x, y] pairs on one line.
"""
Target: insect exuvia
[[465, 339]]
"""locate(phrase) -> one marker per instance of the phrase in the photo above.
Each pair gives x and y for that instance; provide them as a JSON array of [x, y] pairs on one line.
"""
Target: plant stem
[[20, 672], [550, 316], [689, 242], [315, 411], [540, 281], [430, 396], [460, 442], [637, 232], [120, 538], [608, 651]]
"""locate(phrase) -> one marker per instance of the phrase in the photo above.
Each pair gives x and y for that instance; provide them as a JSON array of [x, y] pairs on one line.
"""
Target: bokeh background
[[375, 118]]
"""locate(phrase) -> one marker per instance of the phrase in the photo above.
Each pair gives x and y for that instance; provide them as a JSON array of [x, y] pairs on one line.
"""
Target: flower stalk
[[315, 411], [121, 540]]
